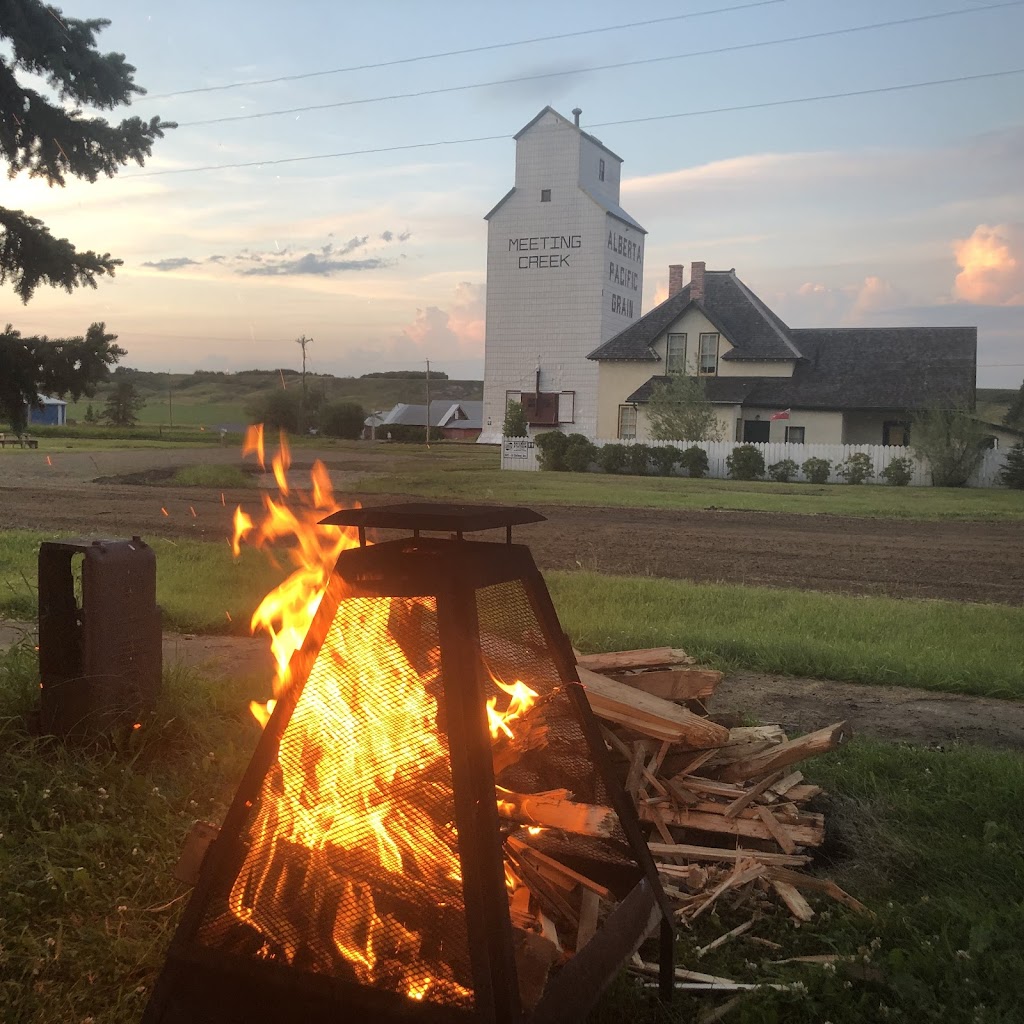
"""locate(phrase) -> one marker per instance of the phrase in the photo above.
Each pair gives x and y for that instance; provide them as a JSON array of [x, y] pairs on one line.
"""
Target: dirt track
[[960, 561]]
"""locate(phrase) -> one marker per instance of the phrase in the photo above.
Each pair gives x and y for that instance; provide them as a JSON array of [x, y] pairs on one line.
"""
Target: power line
[[601, 124], [467, 50], [717, 51]]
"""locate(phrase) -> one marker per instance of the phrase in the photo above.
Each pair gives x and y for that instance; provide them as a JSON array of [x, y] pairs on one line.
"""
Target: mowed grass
[[931, 841], [935, 645], [482, 481]]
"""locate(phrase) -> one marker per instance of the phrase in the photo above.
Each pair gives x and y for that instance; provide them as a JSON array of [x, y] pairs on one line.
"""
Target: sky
[[888, 209]]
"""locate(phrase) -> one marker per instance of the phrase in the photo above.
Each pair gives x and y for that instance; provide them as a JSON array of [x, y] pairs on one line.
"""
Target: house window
[[627, 422], [896, 432], [708, 365], [545, 195], [794, 435], [600, 170], [675, 354]]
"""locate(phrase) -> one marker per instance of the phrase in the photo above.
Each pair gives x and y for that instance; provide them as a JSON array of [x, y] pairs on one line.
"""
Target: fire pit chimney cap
[[434, 516]]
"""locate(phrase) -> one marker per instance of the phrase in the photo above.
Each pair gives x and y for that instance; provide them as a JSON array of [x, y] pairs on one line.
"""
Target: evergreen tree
[[123, 404], [515, 424], [679, 410], [51, 139]]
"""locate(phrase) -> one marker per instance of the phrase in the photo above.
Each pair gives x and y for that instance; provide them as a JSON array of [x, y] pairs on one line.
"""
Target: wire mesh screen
[[352, 867], [515, 648]]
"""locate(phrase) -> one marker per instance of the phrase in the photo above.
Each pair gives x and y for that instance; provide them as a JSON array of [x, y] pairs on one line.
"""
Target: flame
[[253, 443], [360, 796], [522, 699]]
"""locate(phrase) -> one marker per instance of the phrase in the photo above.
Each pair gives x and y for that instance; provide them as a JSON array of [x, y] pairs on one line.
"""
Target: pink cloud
[[991, 265], [459, 328]]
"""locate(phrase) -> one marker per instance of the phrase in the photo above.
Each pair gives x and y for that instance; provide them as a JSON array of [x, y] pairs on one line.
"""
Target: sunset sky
[[899, 208]]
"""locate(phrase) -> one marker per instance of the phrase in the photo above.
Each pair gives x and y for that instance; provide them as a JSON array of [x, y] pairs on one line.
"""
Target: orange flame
[[522, 699], [253, 443], [165, 512]]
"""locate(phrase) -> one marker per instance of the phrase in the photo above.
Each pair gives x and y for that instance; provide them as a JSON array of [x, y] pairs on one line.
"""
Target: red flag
[[784, 415]]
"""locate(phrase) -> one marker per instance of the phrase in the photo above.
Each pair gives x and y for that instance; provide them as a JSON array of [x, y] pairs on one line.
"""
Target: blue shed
[[52, 414]]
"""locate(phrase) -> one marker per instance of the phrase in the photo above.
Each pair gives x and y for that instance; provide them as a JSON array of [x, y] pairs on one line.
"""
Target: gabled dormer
[[713, 326]]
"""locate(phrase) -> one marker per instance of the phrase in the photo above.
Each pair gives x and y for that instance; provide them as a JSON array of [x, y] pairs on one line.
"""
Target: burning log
[[556, 809]]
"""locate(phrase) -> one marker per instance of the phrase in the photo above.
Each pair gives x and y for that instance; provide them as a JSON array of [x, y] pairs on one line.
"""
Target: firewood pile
[[729, 807]]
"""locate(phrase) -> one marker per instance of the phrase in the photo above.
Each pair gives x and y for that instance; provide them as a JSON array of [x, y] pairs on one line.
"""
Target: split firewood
[[590, 908], [555, 870], [710, 853], [783, 786], [815, 884], [748, 828], [674, 684], [779, 834], [519, 909], [787, 753], [740, 875], [531, 733], [790, 895], [556, 809], [746, 741], [651, 716], [751, 795], [723, 939], [619, 661]]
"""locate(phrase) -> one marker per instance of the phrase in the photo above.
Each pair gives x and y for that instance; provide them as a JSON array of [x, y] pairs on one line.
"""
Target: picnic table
[[21, 440]]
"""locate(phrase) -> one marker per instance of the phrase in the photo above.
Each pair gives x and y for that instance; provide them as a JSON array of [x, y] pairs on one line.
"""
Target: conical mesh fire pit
[[428, 829]]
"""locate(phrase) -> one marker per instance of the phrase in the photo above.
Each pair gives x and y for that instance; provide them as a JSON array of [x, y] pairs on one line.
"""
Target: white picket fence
[[519, 453]]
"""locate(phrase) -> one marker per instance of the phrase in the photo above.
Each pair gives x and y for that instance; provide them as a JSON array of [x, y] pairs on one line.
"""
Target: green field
[[935, 645], [473, 477], [210, 399]]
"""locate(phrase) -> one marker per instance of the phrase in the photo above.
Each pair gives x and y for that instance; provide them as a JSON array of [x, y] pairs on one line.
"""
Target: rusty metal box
[[99, 634]]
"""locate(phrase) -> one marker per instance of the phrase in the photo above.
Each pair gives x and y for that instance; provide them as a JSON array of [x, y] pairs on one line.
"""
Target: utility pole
[[302, 343], [170, 402], [428, 403]]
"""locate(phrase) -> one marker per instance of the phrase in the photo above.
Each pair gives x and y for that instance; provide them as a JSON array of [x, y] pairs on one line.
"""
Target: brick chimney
[[675, 278], [696, 282]]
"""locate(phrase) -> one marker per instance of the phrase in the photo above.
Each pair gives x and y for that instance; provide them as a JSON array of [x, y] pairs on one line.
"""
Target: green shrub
[[637, 459], [664, 458], [695, 461], [899, 472], [857, 468], [1012, 473], [816, 470], [342, 419], [612, 457], [406, 433], [579, 453], [745, 463], [784, 471], [551, 446]]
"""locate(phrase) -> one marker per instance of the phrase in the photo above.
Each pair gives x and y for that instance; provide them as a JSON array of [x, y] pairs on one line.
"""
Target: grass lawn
[[479, 480], [938, 645], [932, 842]]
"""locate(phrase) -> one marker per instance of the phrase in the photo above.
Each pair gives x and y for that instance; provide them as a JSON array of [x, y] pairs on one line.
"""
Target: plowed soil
[[958, 561]]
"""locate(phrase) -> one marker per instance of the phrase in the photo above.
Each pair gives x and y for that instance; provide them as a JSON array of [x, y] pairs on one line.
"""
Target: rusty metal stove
[[283, 927]]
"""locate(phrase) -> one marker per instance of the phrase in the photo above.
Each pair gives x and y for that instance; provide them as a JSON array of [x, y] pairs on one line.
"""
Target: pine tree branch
[[30, 256], [63, 51]]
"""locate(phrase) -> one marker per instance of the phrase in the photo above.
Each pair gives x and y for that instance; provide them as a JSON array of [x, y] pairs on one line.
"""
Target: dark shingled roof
[[860, 368], [747, 323]]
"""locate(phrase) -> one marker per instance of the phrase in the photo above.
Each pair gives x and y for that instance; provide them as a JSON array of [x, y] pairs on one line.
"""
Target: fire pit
[[424, 830]]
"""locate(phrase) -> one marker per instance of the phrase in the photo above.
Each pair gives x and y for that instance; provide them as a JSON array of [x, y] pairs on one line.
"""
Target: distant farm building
[[454, 421], [48, 412]]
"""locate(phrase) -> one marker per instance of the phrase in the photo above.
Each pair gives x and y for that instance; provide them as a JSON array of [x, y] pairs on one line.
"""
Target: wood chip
[[711, 853], [723, 939], [798, 906]]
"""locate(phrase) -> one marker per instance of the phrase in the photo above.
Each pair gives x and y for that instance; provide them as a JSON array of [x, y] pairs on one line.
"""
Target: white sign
[[516, 448]]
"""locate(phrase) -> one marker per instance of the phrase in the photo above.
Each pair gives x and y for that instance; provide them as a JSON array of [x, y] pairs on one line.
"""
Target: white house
[[564, 272], [770, 382]]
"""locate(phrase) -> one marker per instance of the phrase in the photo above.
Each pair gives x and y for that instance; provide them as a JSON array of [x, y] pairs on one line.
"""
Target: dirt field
[[960, 561]]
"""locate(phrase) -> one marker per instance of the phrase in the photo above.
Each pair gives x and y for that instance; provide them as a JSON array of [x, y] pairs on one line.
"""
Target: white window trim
[[668, 351], [701, 372], [803, 431], [621, 436], [572, 419]]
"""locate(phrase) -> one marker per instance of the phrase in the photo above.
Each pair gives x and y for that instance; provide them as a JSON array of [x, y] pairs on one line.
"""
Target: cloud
[[875, 293], [171, 263], [457, 328], [313, 263], [991, 265]]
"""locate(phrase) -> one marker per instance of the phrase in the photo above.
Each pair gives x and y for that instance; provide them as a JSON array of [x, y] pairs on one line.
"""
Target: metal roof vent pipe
[[576, 111]]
